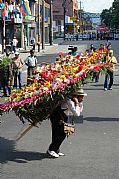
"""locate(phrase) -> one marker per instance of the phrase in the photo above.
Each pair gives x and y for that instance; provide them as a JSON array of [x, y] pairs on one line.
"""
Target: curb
[[41, 51], [36, 51]]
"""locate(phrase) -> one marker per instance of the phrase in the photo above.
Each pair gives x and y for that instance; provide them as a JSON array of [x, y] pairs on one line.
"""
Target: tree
[[106, 17], [110, 17], [115, 14]]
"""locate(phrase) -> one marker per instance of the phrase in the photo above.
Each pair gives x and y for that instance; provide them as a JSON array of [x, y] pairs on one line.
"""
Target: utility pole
[[64, 6], [38, 25], [43, 24], [4, 47], [80, 18], [51, 24], [3, 36]]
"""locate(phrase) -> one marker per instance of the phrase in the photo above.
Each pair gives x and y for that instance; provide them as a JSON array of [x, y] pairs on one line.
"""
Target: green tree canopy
[[110, 17]]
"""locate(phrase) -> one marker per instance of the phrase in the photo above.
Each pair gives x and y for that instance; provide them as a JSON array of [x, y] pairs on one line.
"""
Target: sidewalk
[[56, 42]]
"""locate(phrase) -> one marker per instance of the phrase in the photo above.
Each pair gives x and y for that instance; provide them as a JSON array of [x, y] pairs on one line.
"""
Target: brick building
[[70, 17]]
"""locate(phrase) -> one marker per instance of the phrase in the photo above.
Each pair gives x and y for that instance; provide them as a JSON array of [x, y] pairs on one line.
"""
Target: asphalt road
[[91, 153]]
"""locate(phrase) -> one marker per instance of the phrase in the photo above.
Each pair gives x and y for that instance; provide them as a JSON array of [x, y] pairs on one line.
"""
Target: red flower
[[78, 56], [80, 67], [96, 68]]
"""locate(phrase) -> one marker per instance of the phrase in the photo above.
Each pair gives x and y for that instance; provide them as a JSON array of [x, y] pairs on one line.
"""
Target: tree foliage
[[110, 17], [106, 17]]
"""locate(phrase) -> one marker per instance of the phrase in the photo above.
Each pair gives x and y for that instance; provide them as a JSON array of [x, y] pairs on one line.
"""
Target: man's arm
[[26, 61], [114, 60], [74, 107]]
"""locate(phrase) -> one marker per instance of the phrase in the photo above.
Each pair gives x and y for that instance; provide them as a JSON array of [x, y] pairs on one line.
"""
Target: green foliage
[[5, 61], [111, 16], [106, 17]]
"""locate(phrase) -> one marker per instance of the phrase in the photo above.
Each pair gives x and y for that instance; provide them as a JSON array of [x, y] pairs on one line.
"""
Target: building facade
[[20, 19], [71, 16]]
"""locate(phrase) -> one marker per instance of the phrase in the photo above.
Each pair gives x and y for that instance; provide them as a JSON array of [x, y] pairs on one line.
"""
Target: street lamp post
[[38, 25], [80, 19], [43, 24], [64, 21], [51, 24], [64, 5], [3, 38]]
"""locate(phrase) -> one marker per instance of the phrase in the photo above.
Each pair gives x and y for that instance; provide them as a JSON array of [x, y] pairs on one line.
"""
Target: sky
[[95, 6]]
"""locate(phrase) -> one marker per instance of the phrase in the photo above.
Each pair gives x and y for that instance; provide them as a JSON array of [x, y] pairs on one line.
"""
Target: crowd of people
[[108, 57], [11, 74], [92, 36], [11, 8]]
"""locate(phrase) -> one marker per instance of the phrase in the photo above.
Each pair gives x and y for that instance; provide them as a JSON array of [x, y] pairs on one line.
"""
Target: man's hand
[[80, 98], [75, 100]]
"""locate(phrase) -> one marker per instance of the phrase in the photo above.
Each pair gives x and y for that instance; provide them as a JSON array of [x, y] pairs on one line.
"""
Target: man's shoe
[[60, 154], [105, 89], [53, 154], [110, 89]]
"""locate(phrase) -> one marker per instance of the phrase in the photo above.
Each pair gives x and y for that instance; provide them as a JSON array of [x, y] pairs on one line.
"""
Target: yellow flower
[[74, 74], [48, 84], [63, 77]]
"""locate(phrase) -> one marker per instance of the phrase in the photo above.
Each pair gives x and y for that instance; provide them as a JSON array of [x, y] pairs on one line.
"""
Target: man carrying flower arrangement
[[110, 72], [60, 116]]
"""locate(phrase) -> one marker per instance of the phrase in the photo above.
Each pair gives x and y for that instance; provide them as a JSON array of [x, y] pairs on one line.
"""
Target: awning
[[26, 3]]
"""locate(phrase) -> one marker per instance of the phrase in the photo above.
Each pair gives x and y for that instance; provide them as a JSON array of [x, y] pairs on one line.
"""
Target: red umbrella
[[103, 29]]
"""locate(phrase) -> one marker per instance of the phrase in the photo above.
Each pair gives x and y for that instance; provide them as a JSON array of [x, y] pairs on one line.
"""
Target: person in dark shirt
[[6, 76], [92, 49]]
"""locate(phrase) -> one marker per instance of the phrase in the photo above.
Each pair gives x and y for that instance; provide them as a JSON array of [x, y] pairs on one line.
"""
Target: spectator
[[31, 62], [74, 105], [86, 53], [14, 44], [33, 42], [18, 64], [109, 47], [92, 49], [74, 52], [1, 5], [108, 43], [109, 77], [6, 76]]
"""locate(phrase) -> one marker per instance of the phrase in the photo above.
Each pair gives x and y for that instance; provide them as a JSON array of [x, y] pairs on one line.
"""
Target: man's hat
[[111, 51], [16, 53], [80, 92]]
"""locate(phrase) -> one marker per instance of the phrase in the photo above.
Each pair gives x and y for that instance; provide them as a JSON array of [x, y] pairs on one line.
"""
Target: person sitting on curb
[[73, 104], [109, 77]]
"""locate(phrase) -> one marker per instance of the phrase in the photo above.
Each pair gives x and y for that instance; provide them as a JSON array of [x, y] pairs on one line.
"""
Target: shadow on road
[[99, 119], [97, 84], [88, 89], [8, 153], [103, 84], [99, 87], [78, 119]]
